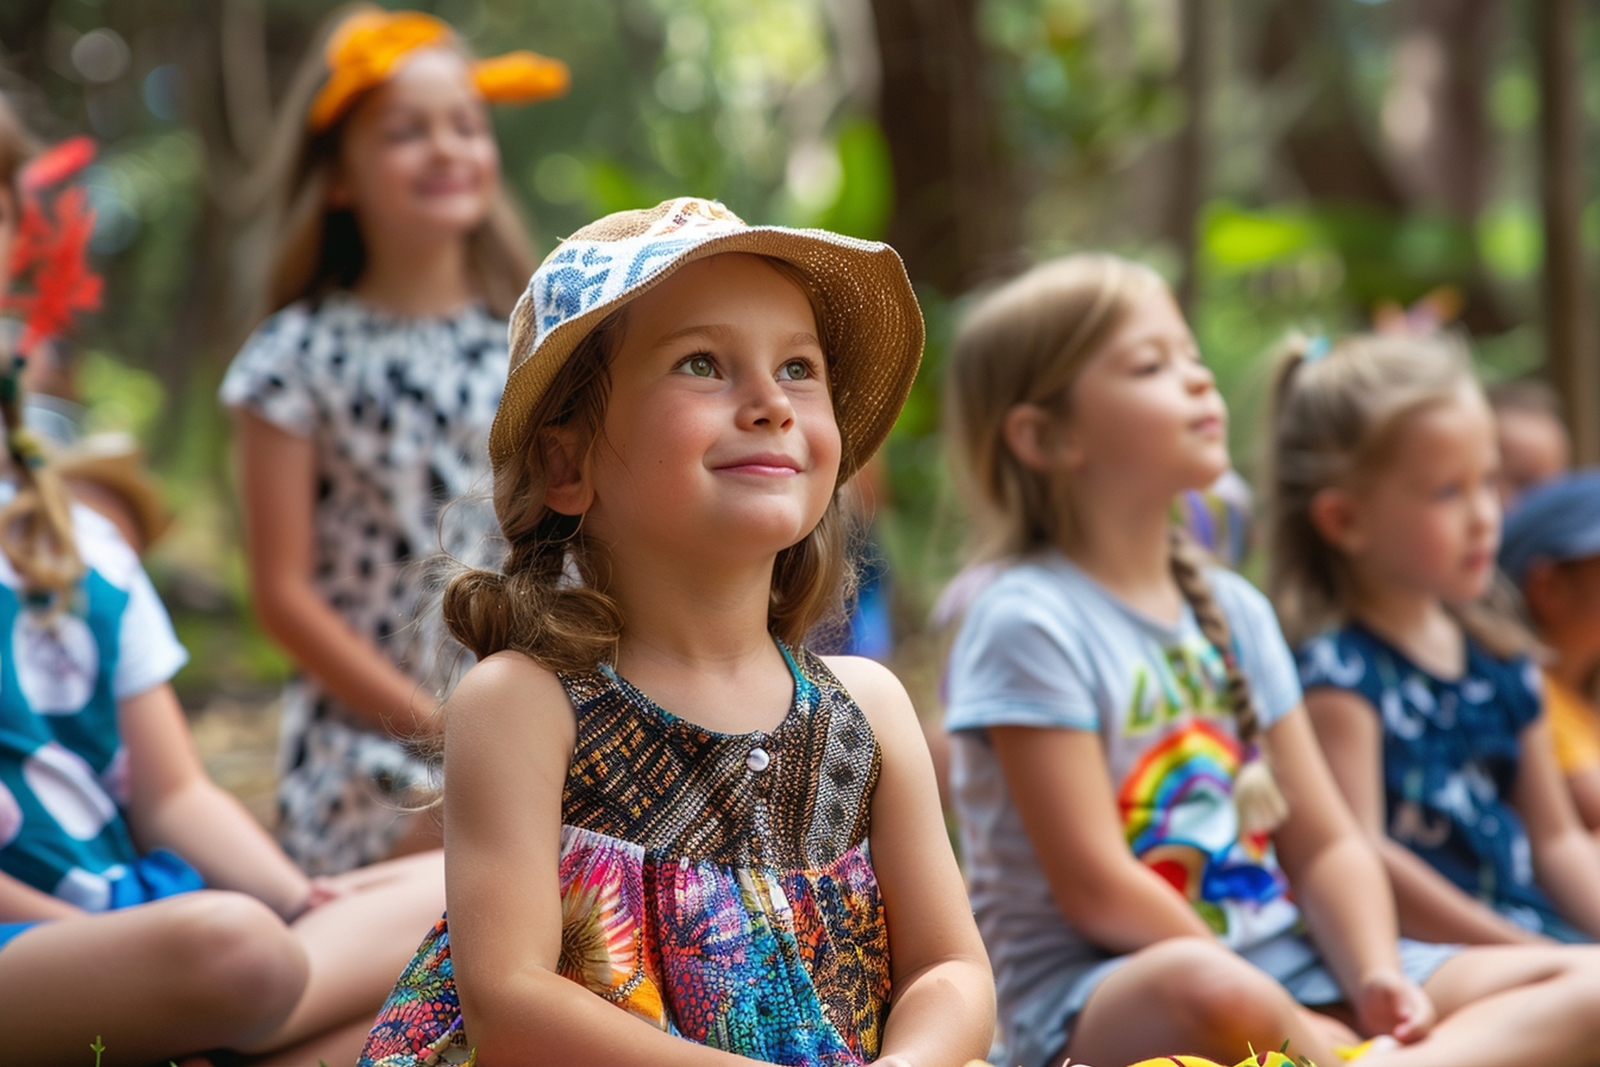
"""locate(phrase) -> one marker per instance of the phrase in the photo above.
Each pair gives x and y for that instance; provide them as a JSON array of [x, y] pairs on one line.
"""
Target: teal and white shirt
[[63, 768]]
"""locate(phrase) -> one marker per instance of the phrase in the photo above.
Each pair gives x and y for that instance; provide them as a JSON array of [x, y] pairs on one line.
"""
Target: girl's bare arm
[[1429, 906], [277, 476], [173, 804], [1337, 877], [1585, 787], [1062, 788], [1565, 859], [21, 903], [509, 734], [942, 1013]]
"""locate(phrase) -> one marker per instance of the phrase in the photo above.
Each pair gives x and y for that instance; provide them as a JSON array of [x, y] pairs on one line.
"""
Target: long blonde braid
[[1260, 803]]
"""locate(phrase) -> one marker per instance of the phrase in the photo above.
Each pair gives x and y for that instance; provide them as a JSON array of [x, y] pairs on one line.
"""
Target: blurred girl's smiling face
[[1428, 519], [719, 432], [1145, 408], [418, 155]]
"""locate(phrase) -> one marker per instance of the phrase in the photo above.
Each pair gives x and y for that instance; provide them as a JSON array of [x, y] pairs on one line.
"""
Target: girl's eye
[[796, 370], [700, 366]]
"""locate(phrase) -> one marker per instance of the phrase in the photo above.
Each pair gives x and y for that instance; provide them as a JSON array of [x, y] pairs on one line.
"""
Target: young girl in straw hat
[[363, 404], [138, 901], [674, 835], [1159, 858]]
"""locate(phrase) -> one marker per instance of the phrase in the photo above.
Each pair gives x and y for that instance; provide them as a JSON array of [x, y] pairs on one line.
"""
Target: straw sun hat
[[873, 325]]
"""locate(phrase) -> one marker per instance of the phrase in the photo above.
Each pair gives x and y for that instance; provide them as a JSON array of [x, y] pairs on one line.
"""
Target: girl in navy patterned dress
[[1384, 524], [363, 404], [138, 901], [675, 836]]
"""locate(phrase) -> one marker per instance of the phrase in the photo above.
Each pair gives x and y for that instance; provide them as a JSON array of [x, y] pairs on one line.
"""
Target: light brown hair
[[1026, 343], [318, 248], [36, 524], [1336, 416], [549, 598]]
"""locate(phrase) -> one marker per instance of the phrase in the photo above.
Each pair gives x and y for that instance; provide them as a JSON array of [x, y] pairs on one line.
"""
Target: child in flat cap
[[656, 798], [1551, 551]]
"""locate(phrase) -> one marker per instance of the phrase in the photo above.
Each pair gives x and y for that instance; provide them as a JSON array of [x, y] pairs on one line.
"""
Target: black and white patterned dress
[[398, 411]]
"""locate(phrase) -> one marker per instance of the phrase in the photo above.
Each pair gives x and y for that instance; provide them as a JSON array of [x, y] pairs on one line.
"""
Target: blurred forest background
[[1287, 163]]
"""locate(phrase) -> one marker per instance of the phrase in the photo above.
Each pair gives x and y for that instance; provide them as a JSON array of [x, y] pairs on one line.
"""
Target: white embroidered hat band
[[873, 326]]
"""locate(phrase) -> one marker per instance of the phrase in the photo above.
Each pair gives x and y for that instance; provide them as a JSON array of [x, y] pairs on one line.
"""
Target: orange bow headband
[[369, 45]]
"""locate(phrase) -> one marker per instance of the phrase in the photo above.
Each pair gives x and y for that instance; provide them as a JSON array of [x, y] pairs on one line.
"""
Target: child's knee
[[236, 958], [1213, 991]]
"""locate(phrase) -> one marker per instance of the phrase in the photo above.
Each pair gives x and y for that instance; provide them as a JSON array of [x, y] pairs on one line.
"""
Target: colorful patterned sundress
[[717, 886]]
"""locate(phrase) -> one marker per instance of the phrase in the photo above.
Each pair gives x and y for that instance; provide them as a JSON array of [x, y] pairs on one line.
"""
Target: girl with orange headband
[[363, 406]]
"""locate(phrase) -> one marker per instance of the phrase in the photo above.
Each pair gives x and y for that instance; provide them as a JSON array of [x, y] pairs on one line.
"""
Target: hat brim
[[873, 325], [124, 476]]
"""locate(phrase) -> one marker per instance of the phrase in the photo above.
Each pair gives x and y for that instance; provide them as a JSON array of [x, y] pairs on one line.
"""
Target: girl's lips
[[765, 466]]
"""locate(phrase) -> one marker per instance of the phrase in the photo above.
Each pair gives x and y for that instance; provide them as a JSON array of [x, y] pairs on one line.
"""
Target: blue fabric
[[1558, 521], [1451, 752], [11, 930]]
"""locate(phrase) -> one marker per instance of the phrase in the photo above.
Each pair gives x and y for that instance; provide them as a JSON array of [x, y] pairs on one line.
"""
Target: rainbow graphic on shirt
[[1178, 817]]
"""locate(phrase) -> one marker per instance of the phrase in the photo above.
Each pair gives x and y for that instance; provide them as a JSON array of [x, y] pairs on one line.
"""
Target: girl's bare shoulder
[[509, 692], [877, 691]]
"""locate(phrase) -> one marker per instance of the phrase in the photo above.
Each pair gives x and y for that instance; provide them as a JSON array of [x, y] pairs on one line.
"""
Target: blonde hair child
[[673, 834], [138, 901], [363, 404], [1385, 518], [1105, 692]]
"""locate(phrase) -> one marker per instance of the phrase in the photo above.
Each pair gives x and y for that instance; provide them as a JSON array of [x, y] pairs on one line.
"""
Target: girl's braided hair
[[36, 524], [1025, 343]]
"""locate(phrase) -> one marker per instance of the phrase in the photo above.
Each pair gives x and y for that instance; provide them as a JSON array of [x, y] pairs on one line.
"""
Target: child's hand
[[322, 891], [1389, 1003]]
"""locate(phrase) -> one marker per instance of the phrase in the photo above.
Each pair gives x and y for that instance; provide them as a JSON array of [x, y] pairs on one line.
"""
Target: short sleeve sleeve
[[1263, 653], [1526, 697], [1016, 663], [149, 652], [269, 377]]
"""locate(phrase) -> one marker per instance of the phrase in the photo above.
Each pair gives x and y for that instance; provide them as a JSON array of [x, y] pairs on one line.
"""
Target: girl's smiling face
[[418, 155], [720, 434]]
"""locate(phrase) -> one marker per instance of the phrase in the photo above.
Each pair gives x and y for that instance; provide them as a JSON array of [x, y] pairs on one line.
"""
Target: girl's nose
[[1199, 377], [765, 404]]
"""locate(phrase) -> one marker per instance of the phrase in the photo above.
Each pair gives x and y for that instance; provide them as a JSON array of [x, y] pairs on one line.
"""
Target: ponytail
[[36, 525], [1260, 803]]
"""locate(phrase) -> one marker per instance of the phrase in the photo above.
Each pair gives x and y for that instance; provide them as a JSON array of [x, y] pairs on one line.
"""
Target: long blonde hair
[[1026, 343], [36, 524], [1336, 415], [318, 248], [549, 598]]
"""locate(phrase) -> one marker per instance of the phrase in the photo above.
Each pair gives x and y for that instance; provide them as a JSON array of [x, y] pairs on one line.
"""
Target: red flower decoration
[[51, 250]]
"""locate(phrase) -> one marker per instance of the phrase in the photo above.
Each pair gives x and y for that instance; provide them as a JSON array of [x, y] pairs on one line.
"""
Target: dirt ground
[[238, 742]]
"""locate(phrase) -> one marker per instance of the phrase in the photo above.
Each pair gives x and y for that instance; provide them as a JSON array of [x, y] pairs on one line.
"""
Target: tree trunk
[[955, 218], [1191, 159], [1569, 331]]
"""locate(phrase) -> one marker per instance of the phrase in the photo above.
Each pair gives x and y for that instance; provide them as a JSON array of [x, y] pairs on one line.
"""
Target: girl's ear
[[1038, 440], [567, 487], [1336, 517]]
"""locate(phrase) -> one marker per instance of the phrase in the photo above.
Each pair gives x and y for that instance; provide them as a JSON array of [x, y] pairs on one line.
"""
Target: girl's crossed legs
[[1528, 1004], [218, 969]]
